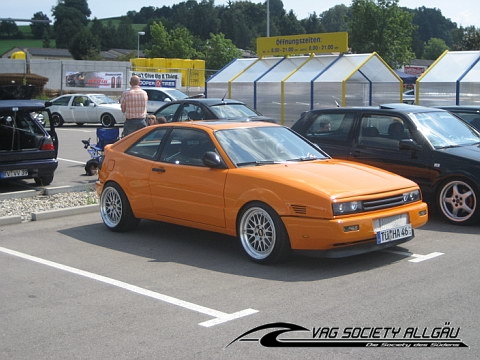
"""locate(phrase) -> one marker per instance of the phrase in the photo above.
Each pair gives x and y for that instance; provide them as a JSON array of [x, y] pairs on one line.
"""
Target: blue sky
[[463, 12]]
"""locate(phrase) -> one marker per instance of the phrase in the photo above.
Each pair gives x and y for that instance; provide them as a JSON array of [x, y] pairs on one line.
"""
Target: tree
[[9, 29], [466, 39], [335, 19], [39, 29], [383, 28], [434, 48], [71, 17], [219, 51], [85, 46], [126, 37]]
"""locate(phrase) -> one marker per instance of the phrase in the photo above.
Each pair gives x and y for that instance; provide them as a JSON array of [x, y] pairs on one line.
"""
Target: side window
[[63, 101], [168, 112], [186, 147], [192, 112], [332, 127], [382, 131], [148, 146]]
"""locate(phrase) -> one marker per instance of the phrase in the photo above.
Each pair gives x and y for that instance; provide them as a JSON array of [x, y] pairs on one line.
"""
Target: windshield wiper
[[304, 158], [258, 162]]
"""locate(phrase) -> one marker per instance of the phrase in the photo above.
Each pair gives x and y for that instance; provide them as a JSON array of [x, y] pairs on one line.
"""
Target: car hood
[[471, 152], [335, 178]]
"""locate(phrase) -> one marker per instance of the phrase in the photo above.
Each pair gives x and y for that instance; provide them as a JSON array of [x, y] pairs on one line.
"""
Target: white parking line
[[74, 161], [416, 257], [219, 317]]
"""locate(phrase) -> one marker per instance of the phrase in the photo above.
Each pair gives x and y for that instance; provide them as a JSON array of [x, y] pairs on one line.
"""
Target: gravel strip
[[26, 206]]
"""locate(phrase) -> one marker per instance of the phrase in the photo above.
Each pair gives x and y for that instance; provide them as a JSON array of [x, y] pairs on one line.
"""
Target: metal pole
[[268, 18], [138, 42]]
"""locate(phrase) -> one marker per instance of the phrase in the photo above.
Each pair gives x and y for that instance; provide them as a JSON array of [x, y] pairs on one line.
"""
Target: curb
[[50, 214]]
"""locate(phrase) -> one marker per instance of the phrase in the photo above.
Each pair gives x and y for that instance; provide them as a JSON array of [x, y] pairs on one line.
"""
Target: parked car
[[409, 97], [209, 109], [86, 108], [158, 96], [430, 146], [27, 149], [469, 113], [260, 182]]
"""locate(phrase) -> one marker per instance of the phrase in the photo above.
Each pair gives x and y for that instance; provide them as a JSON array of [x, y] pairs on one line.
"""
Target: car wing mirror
[[213, 160], [409, 144]]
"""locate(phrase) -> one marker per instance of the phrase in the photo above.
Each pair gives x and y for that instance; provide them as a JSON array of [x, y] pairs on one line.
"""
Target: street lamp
[[140, 33]]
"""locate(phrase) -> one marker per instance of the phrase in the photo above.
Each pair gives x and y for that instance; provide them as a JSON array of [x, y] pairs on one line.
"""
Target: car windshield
[[103, 99], [176, 94], [252, 146], [232, 111], [445, 130]]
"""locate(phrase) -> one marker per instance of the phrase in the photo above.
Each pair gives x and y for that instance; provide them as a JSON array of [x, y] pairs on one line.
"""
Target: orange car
[[260, 182]]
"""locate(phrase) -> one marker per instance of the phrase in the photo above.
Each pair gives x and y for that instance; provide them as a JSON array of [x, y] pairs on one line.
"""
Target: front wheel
[[262, 234], [107, 120], [57, 120], [458, 201], [115, 209]]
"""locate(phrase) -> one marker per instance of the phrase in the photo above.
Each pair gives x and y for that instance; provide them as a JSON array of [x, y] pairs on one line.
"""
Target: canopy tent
[[453, 79], [284, 87], [406, 78]]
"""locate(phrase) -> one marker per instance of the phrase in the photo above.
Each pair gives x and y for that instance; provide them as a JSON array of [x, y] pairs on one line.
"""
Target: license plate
[[13, 173], [392, 228], [393, 234]]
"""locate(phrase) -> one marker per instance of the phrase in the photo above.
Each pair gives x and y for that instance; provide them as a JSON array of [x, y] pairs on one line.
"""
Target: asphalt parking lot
[[72, 289]]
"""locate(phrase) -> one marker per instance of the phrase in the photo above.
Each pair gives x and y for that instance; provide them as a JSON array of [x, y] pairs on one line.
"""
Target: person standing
[[134, 106]]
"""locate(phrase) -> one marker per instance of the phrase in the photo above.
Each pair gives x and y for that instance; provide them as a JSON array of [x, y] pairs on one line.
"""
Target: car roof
[[209, 101], [26, 105], [473, 108], [219, 124], [402, 107]]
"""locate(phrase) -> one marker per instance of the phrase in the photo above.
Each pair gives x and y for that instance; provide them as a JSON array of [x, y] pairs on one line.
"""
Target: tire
[[457, 200], [91, 167], [107, 120], [43, 180], [262, 234], [57, 120], [115, 209]]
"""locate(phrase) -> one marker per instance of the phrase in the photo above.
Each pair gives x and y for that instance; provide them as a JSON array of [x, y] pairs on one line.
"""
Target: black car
[[27, 149], [208, 109], [427, 145], [469, 113]]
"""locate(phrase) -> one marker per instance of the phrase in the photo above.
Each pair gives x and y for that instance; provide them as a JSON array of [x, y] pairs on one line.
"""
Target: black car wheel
[[115, 209], [107, 120], [43, 180], [262, 234], [57, 120], [458, 201]]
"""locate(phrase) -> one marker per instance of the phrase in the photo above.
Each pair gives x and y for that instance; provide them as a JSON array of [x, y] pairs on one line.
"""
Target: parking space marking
[[416, 257], [219, 317], [74, 161]]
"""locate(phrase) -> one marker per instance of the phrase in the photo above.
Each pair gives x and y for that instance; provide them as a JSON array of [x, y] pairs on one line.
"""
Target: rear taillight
[[47, 145]]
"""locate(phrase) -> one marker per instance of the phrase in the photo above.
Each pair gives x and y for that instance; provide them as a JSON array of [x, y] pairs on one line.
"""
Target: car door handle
[[161, 170]]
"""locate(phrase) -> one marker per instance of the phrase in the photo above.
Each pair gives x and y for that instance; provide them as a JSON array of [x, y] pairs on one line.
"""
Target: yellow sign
[[302, 44]]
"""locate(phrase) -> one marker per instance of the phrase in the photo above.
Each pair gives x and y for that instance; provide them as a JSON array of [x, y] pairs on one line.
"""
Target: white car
[[409, 97], [86, 108], [158, 96]]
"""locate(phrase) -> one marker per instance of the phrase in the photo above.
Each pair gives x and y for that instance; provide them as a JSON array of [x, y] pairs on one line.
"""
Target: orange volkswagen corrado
[[258, 181]]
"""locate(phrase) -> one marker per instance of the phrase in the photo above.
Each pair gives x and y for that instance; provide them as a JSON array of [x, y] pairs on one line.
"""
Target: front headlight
[[348, 207], [411, 196]]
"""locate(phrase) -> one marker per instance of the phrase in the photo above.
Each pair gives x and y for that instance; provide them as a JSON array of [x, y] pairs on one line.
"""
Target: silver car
[[86, 108]]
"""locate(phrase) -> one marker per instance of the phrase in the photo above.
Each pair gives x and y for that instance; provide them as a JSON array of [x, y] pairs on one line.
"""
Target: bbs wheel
[[262, 234], [107, 120], [458, 201], [115, 209]]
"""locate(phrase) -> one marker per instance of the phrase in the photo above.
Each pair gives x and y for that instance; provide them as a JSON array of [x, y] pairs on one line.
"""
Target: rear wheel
[[115, 209], [57, 120], [262, 234], [91, 167], [458, 201], [107, 120], [43, 180]]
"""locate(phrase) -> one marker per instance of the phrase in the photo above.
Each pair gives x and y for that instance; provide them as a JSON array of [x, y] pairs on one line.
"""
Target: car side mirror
[[213, 160], [409, 144]]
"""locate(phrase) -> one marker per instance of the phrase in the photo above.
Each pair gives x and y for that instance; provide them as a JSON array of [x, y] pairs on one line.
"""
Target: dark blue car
[[27, 149], [430, 146]]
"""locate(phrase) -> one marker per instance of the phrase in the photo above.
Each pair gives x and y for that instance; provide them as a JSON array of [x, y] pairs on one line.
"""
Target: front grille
[[383, 203]]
